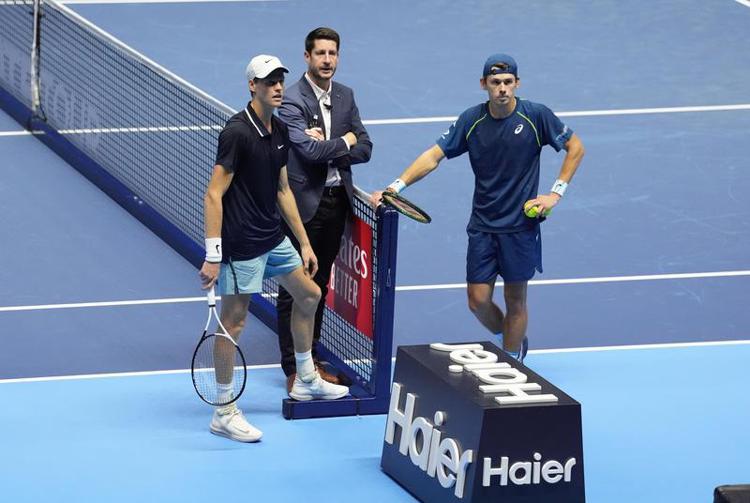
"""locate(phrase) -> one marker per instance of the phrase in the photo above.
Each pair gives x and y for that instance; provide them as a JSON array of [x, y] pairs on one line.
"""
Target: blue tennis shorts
[[514, 256], [246, 276]]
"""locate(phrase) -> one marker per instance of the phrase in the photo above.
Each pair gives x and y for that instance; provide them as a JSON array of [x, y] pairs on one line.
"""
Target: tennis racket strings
[[406, 207], [218, 369]]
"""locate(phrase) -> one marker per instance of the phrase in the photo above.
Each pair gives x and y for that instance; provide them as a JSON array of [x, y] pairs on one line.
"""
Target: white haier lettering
[[528, 472], [498, 377], [436, 455]]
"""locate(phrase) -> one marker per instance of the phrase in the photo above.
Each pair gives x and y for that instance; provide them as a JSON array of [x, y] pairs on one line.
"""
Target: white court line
[[671, 345], [424, 120], [666, 345], [421, 120], [14, 133], [449, 286], [579, 281], [117, 374], [116, 303], [150, 129], [417, 120], [746, 3], [583, 113], [73, 2], [121, 130], [667, 110], [380, 122]]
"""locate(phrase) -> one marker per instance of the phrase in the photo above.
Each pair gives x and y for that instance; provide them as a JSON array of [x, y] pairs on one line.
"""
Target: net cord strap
[[361, 193]]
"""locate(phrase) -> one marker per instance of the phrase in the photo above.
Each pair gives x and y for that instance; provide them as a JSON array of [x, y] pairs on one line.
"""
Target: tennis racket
[[218, 369], [406, 207]]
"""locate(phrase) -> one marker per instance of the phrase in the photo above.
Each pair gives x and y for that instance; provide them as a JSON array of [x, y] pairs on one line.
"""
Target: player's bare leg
[[228, 421], [481, 304], [517, 316], [306, 295], [511, 326], [308, 385], [233, 316]]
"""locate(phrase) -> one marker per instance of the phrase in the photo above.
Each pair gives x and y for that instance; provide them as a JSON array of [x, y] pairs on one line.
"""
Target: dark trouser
[[324, 230]]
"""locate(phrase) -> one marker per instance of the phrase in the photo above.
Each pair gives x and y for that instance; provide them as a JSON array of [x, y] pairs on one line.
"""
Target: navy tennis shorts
[[514, 256]]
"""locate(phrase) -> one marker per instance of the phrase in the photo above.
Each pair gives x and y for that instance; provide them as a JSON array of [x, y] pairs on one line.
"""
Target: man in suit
[[327, 137]]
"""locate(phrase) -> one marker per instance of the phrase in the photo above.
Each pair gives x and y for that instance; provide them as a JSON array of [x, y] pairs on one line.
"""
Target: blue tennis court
[[639, 314]]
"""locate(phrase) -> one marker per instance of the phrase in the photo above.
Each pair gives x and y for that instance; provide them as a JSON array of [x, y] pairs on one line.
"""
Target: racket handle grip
[[211, 297]]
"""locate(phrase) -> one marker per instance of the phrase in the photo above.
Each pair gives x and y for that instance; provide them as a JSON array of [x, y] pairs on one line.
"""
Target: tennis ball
[[532, 211]]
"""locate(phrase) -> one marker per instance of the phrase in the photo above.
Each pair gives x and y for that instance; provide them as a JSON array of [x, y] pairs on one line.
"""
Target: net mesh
[[338, 335], [147, 128], [152, 134], [16, 37]]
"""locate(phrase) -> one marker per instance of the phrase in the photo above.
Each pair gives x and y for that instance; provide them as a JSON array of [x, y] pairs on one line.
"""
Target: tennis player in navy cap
[[504, 137]]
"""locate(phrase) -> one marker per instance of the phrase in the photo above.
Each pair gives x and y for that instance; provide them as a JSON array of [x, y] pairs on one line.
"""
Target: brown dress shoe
[[290, 382], [333, 379]]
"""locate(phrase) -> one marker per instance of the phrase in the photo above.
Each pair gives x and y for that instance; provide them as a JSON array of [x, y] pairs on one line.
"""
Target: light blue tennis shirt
[[504, 155]]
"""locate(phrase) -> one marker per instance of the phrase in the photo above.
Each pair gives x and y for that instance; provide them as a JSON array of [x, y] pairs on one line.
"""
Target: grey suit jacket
[[308, 159]]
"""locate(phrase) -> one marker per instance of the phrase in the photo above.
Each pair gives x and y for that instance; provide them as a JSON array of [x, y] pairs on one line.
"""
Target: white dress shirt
[[324, 98]]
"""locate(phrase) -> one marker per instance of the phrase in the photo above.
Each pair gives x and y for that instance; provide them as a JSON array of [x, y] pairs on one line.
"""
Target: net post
[[370, 395], [387, 223], [36, 101]]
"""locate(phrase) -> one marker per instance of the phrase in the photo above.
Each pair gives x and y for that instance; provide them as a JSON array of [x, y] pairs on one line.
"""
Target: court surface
[[646, 259]]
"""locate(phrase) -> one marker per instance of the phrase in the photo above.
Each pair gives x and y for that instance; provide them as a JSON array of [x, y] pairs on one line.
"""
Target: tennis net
[[148, 139]]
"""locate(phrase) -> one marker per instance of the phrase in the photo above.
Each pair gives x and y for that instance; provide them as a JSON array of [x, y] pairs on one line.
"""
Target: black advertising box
[[468, 423]]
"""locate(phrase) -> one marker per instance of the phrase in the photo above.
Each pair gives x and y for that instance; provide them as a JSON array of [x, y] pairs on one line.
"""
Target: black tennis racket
[[406, 207], [218, 369]]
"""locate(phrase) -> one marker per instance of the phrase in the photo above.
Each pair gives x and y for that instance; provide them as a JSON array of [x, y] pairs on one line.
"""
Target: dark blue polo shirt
[[251, 221], [504, 155]]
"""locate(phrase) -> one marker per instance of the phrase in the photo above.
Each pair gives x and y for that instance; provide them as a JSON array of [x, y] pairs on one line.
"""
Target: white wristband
[[397, 185], [559, 187], [213, 250]]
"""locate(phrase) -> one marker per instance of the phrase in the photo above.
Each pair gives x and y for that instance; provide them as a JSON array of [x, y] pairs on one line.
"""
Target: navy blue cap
[[497, 60]]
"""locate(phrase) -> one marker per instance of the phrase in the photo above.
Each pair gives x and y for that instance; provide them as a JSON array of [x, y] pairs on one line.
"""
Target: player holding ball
[[504, 138]]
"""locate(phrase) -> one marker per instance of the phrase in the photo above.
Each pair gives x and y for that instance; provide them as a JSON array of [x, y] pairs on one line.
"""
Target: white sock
[[305, 365], [225, 391]]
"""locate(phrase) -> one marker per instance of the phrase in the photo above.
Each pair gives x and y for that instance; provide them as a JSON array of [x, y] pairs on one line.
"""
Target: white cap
[[262, 65]]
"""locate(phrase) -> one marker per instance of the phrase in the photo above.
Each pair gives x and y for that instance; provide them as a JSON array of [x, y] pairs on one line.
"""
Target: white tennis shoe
[[229, 422], [317, 389]]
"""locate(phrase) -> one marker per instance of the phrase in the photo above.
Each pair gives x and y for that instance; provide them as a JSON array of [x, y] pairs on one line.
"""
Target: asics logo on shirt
[[447, 131], [519, 128]]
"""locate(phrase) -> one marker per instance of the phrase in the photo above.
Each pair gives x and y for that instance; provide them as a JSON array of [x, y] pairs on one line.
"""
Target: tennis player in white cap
[[247, 196]]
